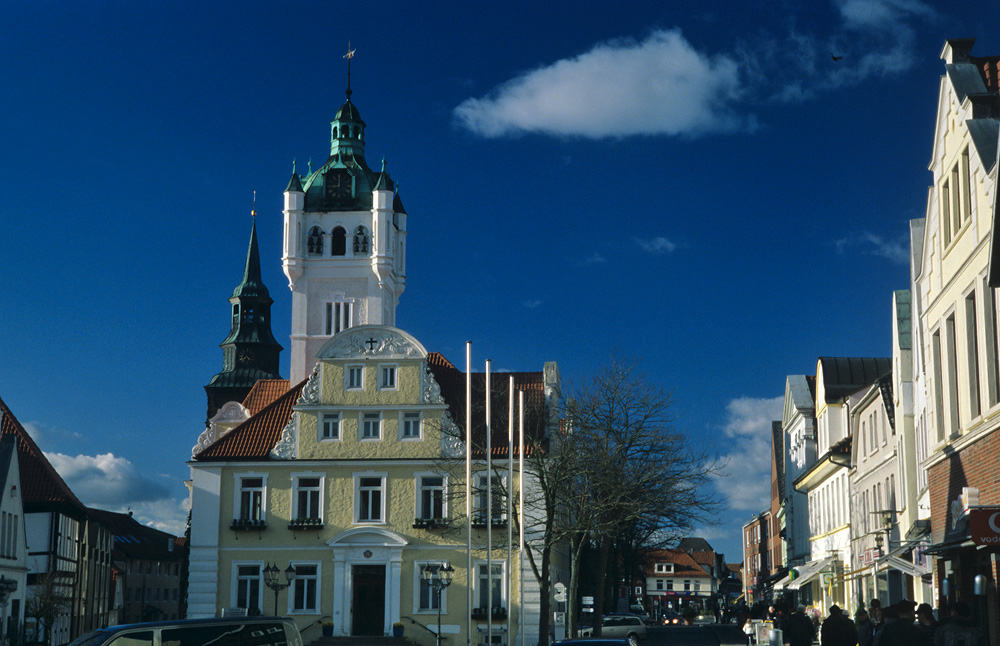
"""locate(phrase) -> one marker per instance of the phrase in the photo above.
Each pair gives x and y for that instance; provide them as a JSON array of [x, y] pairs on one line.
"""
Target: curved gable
[[372, 340]]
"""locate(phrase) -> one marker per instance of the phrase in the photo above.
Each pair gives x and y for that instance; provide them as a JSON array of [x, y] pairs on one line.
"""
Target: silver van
[[231, 631]]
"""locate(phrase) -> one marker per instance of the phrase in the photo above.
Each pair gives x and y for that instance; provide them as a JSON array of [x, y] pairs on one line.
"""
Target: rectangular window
[[659, 584], [305, 587], [370, 497], [307, 498], [687, 586], [411, 426], [251, 499], [431, 497], [248, 588], [956, 202], [498, 502], [387, 377], [427, 596], [670, 584], [354, 377], [371, 426], [991, 345], [952, 349], [331, 427], [946, 212], [485, 584], [972, 356], [966, 182], [338, 317], [936, 353]]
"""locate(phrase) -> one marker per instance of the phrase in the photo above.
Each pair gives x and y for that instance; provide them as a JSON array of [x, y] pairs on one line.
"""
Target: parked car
[[593, 641], [640, 612], [671, 619], [231, 631], [629, 627]]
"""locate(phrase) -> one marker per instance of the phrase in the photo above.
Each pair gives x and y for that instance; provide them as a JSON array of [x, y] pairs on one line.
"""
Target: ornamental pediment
[[369, 341]]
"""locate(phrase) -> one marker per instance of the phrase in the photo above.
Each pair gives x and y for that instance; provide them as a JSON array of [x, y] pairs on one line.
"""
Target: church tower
[[250, 352], [344, 243]]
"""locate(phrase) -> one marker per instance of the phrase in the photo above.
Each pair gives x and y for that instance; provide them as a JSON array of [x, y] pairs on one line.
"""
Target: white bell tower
[[344, 244]]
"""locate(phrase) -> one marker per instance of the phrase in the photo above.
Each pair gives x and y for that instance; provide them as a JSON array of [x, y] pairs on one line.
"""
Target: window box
[[480, 613], [430, 523], [305, 523], [247, 524]]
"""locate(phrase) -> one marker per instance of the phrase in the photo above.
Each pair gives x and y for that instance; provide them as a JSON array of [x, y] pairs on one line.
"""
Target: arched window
[[338, 242], [335, 132], [315, 242], [361, 240]]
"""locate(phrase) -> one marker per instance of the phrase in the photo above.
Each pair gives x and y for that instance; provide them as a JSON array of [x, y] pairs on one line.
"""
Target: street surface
[[696, 635]]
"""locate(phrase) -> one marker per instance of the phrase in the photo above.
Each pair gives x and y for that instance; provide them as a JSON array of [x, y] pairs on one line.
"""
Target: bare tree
[[642, 480], [46, 602]]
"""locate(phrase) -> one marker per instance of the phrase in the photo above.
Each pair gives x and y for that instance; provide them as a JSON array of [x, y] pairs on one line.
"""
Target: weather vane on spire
[[349, 55]]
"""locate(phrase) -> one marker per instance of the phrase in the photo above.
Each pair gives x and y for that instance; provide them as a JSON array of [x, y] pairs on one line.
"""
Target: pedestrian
[[866, 629], [926, 624], [838, 629], [875, 611], [902, 631], [799, 630], [959, 631]]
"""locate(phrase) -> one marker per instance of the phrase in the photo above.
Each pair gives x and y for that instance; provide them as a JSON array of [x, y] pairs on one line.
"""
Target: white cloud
[[595, 259], [532, 304], [656, 245], [107, 481], [747, 482], [659, 86], [897, 251], [664, 85], [167, 514]]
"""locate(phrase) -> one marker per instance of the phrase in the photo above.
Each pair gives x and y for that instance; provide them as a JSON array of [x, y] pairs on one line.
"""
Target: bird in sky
[[835, 57]]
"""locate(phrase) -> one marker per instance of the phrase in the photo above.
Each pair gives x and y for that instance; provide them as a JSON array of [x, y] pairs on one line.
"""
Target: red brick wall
[[977, 465]]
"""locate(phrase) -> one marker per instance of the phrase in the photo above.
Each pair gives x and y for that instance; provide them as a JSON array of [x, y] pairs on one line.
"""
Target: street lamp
[[271, 581], [438, 578]]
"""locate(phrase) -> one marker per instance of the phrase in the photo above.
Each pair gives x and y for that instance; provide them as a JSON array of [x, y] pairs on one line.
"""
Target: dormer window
[[361, 240], [314, 244]]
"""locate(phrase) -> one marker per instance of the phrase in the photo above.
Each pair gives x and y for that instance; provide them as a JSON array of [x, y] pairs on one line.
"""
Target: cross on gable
[[371, 344]]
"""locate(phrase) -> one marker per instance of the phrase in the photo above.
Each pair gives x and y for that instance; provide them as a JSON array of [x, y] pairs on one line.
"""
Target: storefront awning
[[808, 572], [781, 584], [904, 566]]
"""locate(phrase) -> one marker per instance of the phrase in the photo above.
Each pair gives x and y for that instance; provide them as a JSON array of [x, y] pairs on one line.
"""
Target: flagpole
[[510, 499], [520, 511], [489, 510], [468, 493]]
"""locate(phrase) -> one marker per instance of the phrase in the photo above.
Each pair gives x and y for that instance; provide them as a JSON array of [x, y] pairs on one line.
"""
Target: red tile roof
[[41, 486], [684, 565], [263, 393], [254, 438]]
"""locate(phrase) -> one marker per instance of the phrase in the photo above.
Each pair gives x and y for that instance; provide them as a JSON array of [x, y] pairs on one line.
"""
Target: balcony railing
[[430, 523]]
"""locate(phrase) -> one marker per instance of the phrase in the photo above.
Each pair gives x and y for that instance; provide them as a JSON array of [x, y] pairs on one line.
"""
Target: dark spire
[[250, 351], [295, 183]]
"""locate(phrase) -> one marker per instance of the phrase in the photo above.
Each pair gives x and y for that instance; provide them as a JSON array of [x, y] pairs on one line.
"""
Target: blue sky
[[705, 190]]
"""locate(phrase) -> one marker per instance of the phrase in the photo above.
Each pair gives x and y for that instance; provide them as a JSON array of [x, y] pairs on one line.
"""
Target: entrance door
[[368, 605]]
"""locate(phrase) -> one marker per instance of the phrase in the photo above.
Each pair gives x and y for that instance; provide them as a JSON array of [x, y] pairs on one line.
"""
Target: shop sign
[[984, 526]]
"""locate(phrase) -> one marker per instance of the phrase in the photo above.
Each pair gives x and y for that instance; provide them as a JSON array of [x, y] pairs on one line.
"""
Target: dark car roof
[[592, 641]]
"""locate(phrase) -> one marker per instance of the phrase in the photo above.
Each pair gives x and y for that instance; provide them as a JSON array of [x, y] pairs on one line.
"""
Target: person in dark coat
[[838, 629], [960, 630], [902, 631], [799, 630], [866, 629], [926, 624]]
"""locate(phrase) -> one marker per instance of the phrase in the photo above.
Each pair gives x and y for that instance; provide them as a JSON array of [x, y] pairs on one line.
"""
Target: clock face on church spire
[[338, 185]]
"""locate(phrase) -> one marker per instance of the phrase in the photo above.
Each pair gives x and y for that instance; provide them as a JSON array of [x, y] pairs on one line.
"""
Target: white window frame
[[296, 478], [238, 489], [381, 520], [388, 376], [418, 485], [477, 583], [235, 583], [406, 417], [323, 437], [418, 588], [293, 589], [363, 419], [479, 498], [348, 368]]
